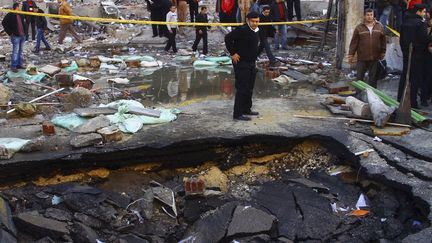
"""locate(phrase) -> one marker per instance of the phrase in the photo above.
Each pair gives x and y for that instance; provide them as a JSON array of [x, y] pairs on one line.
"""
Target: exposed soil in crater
[[250, 196]]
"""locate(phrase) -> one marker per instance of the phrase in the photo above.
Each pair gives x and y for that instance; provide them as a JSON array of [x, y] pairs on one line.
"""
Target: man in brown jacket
[[369, 42], [66, 24]]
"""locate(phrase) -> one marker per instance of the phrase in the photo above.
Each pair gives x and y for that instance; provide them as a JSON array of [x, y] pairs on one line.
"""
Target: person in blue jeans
[[41, 25], [384, 11], [279, 13], [13, 25]]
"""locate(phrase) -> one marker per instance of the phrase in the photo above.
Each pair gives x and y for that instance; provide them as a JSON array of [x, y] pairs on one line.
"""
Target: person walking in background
[[66, 24], [414, 32], [267, 31], [242, 44], [279, 13], [182, 10], [244, 6], [412, 3], [294, 5], [255, 7], [165, 6], [28, 6], [384, 11], [154, 6], [398, 10], [227, 10], [369, 42], [201, 31], [41, 25], [193, 9], [171, 16], [13, 25]]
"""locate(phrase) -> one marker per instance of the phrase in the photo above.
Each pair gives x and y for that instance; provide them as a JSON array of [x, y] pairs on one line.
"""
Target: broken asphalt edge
[[180, 143]]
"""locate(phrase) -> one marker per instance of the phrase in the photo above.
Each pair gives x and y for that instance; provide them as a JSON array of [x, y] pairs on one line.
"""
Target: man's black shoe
[[251, 113], [242, 118]]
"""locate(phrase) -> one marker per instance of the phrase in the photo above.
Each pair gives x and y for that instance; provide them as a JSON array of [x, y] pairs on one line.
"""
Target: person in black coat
[[193, 9], [414, 31], [41, 25], [156, 14], [243, 46], [267, 31], [227, 10], [201, 31], [13, 25], [291, 6], [163, 7], [29, 6]]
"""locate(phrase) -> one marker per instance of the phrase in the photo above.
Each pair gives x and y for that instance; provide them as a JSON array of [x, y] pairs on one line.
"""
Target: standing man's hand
[[235, 58], [170, 31], [382, 56], [350, 58], [200, 32]]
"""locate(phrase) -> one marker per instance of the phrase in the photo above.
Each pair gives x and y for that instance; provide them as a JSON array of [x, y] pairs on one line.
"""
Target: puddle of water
[[177, 85]]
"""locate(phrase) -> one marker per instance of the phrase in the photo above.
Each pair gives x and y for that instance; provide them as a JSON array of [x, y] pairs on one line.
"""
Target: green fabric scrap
[[69, 121], [23, 74]]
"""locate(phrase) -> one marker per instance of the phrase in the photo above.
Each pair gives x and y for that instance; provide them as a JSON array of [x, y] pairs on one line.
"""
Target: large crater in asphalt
[[258, 189]]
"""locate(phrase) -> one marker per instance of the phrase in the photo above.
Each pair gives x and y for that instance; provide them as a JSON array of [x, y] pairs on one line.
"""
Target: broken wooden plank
[[94, 112], [390, 131], [335, 88], [144, 111], [348, 119], [296, 75]]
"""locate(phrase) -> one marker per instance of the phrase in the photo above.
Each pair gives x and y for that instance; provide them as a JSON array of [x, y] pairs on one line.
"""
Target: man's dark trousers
[[417, 77], [193, 10], [171, 40], [428, 80], [245, 73], [198, 39], [30, 22], [371, 68], [297, 8]]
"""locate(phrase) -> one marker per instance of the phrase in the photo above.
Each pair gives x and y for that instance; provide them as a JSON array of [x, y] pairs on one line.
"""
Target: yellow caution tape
[[393, 31], [146, 22]]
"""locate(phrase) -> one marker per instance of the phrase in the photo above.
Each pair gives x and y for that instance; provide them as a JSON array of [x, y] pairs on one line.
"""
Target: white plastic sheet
[[130, 123]]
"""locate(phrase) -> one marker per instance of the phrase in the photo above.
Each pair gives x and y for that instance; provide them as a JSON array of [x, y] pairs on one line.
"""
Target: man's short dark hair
[[252, 15], [203, 8], [420, 7], [368, 10], [266, 7], [15, 5]]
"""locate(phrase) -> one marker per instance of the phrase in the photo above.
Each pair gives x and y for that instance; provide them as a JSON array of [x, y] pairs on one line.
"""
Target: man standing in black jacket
[[13, 25], [41, 25], [414, 31], [201, 31], [242, 44]]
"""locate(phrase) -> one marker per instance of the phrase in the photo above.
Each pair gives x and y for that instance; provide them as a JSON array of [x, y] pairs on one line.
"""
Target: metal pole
[[403, 114], [39, 98]]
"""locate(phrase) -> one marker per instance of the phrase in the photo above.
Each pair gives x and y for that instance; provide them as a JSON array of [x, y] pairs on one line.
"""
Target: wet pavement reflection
[[173, 85]]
